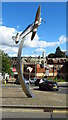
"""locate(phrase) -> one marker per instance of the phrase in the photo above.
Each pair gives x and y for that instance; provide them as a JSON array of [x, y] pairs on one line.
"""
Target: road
[[13, 95]]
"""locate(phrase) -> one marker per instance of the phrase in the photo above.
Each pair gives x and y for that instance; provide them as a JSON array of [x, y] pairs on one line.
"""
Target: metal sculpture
[[20, 73], [31, 28]]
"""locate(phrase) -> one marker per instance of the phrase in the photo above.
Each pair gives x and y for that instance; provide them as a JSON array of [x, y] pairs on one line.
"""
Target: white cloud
[[10, 50], [9, 46], [33, 43], [63, 50], [62, 39], [39, 50], [41, 43], [6, 34], [36, 42], [6, 43]]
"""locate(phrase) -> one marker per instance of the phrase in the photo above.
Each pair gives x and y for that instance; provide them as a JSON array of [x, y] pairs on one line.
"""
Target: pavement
[[13, 95], [17, 105], [46, 116], [62, 84]]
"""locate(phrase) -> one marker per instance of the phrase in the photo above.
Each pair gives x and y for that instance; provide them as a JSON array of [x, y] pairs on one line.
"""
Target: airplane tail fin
[[16, 38]]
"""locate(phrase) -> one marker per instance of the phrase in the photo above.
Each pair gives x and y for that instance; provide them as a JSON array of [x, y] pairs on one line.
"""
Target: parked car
[[37, 80], [26, 81], [32, 81], [48, 85], [17, 81]]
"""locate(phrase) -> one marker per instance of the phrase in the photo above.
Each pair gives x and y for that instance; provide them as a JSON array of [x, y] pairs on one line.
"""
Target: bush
[[57, 80]]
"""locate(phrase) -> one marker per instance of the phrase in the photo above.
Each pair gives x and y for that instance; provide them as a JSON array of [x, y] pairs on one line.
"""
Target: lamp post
[[35, 64]]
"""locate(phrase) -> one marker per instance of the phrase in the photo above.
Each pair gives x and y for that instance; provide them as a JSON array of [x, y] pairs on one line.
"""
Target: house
[[51, 69]]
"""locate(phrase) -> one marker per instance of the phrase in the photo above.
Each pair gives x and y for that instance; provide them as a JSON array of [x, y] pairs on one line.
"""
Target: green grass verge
[[57, 80]]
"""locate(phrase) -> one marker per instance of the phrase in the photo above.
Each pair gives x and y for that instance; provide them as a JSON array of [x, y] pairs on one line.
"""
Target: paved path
[[13, 95]]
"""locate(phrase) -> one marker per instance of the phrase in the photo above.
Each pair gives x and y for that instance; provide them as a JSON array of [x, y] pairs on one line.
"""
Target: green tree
[[59, 53], [6, 63], [51, 55]]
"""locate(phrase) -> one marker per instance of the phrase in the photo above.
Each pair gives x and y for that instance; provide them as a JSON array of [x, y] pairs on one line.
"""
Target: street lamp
[[35, 64]]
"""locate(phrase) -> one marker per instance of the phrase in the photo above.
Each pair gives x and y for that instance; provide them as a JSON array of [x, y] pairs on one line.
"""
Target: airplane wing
[[33, 34]]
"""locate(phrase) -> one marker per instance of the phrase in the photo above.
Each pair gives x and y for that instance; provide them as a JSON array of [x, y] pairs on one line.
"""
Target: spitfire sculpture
[[31, 28]]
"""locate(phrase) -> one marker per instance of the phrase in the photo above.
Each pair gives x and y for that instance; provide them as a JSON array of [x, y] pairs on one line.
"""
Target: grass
[[57, 79]]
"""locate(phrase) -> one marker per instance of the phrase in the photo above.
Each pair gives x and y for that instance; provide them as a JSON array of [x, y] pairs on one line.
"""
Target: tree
[[51, 55], [59, 53], [6, 64], [39, 57]]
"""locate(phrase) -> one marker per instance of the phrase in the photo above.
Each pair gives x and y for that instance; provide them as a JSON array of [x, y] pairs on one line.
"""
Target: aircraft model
[[31, 28]]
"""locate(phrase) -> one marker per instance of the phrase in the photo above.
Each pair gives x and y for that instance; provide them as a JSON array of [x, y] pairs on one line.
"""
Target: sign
[[30, 69], [13, 70]]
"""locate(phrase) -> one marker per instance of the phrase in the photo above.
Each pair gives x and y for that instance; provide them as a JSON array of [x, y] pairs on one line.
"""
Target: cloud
[[6, 34], [39, 50], [33, 43], [36, 42], [9, 50], [41, 43], [9, 46], [62, 39], [63, 50]]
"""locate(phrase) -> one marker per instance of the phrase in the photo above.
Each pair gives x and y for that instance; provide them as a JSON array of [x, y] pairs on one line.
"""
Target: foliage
[[58, 54], [6, 64], [59, 80], [56, 79], [51, 55], [39, 57]]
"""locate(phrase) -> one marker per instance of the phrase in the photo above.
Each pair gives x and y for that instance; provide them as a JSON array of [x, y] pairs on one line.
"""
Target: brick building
[[52, 68], [42, 66]]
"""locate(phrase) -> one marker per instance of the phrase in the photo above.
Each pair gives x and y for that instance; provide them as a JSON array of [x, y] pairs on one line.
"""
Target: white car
[[32, 81], [26, 81]]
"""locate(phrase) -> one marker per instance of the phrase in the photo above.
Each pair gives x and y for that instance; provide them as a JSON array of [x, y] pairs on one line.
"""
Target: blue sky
[[18, 15]]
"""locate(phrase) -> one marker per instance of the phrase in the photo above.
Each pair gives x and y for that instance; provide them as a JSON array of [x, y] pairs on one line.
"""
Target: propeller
[[43, 21]]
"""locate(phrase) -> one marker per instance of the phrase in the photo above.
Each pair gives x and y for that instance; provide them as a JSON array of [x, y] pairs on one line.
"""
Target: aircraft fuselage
[[31, 28]]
